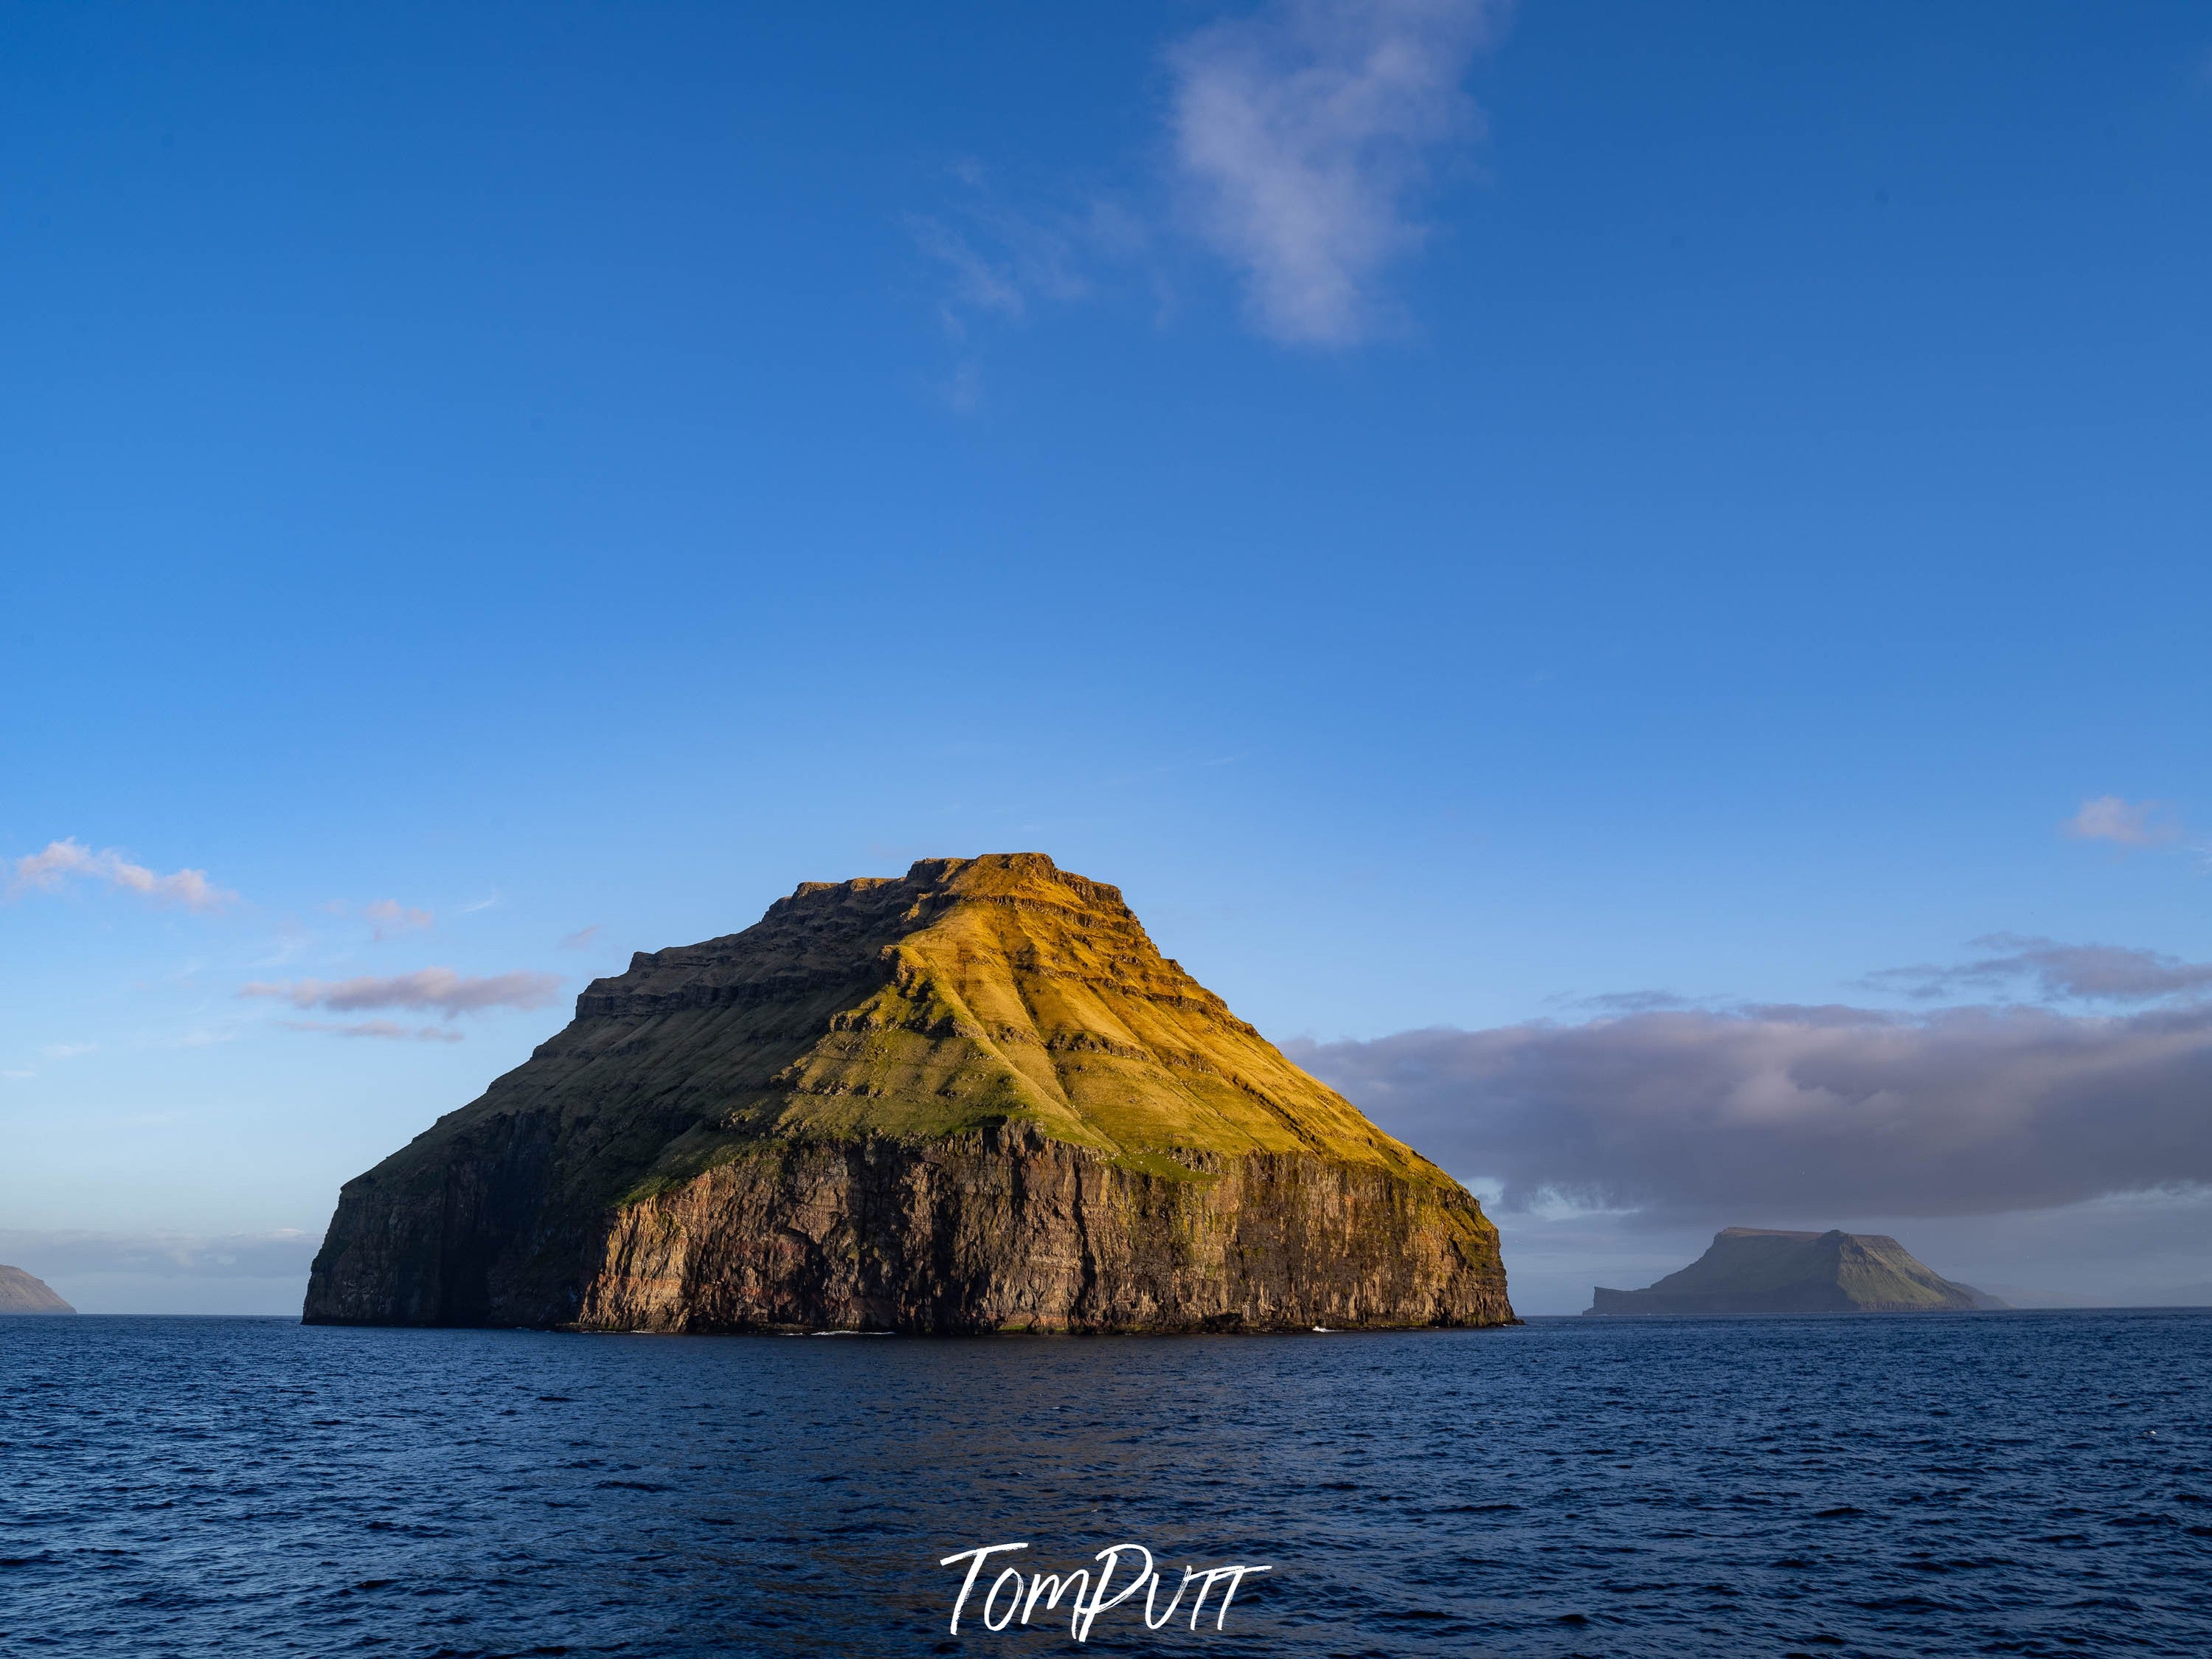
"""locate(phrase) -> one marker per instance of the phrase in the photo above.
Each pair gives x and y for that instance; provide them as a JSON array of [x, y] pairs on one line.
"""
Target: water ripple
[[2020, 1484]]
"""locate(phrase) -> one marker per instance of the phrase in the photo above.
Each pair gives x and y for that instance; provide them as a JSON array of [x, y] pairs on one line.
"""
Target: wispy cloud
[[2126, 823], [437, 990], [976, 281], [384, 1029], [582, 939], [2051, 969], [1300, 140], [46, 871], [994, 262], [68, 1050], [999, 260], [1632, 1002], [390, 919], [1807, 1111], [963, 388], [1304, 135], [199, 1037], [18, 1075], [480, 905]]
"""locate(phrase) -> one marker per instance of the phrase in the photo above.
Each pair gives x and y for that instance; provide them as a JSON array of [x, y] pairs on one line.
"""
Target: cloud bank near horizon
[[1686, 1114], [279, 1255], [168, 1272]]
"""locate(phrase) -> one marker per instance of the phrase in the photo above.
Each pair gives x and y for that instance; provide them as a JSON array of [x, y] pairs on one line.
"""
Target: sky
[[1629, 582]]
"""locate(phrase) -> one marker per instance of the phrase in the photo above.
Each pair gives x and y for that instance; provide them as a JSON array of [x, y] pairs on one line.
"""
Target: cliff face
[[974, 1098], [20, 1293], [1754, 1270]]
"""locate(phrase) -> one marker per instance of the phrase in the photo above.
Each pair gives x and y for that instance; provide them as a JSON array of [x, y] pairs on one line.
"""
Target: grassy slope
[[969, 994]]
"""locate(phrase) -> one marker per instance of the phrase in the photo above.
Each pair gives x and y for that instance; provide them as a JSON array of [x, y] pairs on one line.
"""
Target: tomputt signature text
[[1014, 1598]]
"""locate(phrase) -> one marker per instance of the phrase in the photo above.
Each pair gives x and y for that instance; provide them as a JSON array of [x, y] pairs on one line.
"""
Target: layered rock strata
[[974, 1098]]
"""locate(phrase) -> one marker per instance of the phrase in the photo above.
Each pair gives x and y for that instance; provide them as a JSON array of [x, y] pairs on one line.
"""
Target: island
[[20, 1293], [972, 1099], [1757, 1270]]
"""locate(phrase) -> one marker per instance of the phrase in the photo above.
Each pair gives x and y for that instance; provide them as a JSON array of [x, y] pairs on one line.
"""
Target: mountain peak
[[996, 1008], [972, 994], [1766, 1270], [20, 1293]]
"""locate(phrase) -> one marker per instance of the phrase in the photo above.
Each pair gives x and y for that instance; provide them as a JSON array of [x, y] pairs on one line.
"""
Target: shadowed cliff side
[[974, 1098]]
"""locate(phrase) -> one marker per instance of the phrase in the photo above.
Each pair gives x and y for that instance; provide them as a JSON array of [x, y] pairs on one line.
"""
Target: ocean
[[1934, 1485]]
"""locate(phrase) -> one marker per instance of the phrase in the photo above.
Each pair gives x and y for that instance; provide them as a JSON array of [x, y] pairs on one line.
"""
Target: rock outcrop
[[974, 1098], [1754, 1270], [20, 1293]]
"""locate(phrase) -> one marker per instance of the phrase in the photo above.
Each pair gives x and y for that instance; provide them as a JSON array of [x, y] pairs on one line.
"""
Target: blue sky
[[1459, 511]]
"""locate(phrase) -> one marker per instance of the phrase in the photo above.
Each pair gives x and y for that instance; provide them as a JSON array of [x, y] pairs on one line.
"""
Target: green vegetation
[[972, 994]]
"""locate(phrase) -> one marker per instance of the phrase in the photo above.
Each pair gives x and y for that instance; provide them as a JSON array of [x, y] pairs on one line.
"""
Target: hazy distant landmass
[[1758, 1270], [976, 1097], [20, 1293], [2137, 1296]]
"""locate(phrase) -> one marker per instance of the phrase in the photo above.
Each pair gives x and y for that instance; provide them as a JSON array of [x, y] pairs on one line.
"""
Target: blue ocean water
[[2008, 1483]]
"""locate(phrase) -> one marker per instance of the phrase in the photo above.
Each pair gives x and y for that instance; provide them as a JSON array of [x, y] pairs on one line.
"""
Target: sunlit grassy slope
[[969, 994]]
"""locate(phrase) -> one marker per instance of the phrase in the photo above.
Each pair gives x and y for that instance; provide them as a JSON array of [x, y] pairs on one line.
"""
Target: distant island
[[20, 1293], [975, 1097], [1755, 1270]]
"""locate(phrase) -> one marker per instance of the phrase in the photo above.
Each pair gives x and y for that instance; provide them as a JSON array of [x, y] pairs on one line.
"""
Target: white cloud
[[67, 1050], [2130, 824], [582, 939], [1304, 133], [438, 990], [46, 871], [17, 1076]]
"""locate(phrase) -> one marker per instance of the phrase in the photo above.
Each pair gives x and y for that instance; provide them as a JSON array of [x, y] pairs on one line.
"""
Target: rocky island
[[973, 1098], [1749, 1270], [20, 1293]]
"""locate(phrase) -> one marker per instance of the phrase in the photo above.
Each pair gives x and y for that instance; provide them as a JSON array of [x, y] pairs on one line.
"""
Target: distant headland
[[975, 1097], [20, 1293], [1755, 1270]]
